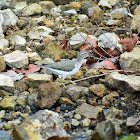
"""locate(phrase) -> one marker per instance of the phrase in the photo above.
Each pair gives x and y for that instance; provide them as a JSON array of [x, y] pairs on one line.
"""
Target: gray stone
[[126, 83], [119, 13], [44, 124], [104, 131], [4, 135], [88, 111], [105, 39], [75, 92], [130, 60], [32, 9], [9, 18], [16, 59]]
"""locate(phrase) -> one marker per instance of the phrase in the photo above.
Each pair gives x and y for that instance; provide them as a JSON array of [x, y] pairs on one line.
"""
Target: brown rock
[[88, 111], [2, 64], [48, 94], [98, 89]]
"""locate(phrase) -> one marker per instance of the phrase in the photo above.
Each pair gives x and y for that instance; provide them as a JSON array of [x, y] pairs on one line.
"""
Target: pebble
[[74, 122]]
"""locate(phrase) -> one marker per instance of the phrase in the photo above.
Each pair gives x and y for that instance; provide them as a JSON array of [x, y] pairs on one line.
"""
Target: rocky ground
[[104, 102]]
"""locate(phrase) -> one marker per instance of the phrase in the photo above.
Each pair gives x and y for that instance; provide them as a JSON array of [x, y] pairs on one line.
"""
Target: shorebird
[[66, 68]]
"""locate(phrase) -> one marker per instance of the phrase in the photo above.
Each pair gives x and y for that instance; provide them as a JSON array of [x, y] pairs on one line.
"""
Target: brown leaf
[[127, 42], [104, 64], [31, 69]]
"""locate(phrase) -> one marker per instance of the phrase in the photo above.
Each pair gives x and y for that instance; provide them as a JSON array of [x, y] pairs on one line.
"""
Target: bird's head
[[82, 55]]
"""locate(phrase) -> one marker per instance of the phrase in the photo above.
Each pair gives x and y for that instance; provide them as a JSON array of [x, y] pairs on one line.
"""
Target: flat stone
[[32, 9], [126, 83], [88, 111], [16, 59], [44, 124], [131, 121], [48, 94], [70, 12], [130, 60], [9, 18], [8, 103], [39, 77]]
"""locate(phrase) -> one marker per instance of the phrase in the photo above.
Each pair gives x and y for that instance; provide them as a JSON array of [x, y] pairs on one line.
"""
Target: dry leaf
[[31, 69], [127, 42]]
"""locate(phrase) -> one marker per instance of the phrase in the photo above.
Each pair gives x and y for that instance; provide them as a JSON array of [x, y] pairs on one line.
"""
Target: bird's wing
[[63, 65]]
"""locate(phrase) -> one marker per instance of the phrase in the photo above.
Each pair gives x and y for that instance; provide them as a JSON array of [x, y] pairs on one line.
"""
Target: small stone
[[3, 43], [6, 82], [4, 135], [104, 131], [48, 94], [64, 100], [11, 124], [2, 113], [70, 12], [88, 111], [21, 100], [17, 40], [86, 122], [75, 122], [77, 40], [57, 58], [98, 89], [8, 103], [77, 116], [75, 92], [32, 9], [16, 59]]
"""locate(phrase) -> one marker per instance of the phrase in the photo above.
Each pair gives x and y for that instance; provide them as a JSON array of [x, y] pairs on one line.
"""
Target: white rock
[[9, 18], [3, 43], [74, 122], [6, 81], [83, 18], [20, 5], [77, 40], [86, 122], [108, 3], [16, 59], [17, 40], [105, 39], [70, 12], [32, 9], [41, 31]]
